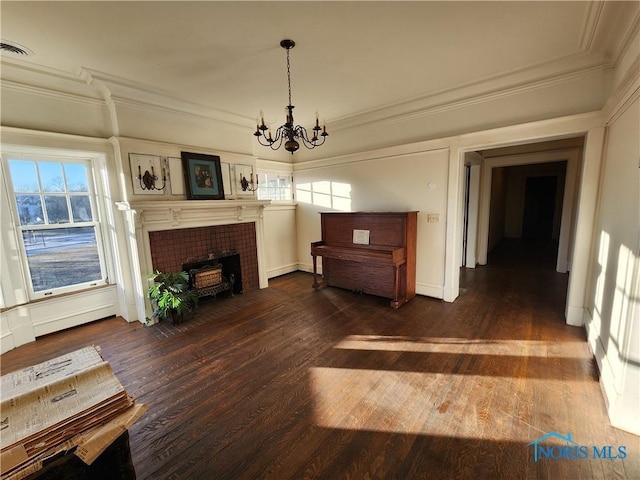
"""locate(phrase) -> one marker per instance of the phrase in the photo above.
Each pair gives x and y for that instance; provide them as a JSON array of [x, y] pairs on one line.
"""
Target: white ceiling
[[351, 58]]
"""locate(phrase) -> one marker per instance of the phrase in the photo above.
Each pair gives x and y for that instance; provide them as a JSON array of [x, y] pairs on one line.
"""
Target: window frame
[[278, 175], [95, 195]]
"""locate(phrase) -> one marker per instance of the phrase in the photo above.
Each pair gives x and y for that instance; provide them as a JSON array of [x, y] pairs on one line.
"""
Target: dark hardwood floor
[[289, 383]]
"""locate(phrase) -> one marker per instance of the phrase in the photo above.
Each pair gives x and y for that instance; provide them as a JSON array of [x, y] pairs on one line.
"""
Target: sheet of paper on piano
[[361, 237]]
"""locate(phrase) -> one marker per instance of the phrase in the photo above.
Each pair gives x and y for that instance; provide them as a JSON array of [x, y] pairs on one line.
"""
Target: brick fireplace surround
[[170, 249]]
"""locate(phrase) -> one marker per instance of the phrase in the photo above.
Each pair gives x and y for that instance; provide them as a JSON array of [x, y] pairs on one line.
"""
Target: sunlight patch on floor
[[430, 403], [530, 348]]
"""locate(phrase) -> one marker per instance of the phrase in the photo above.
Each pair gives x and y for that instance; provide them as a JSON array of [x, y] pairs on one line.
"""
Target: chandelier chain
[[289, 75]]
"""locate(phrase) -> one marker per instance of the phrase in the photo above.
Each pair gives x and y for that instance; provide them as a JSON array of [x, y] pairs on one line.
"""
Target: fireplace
[[229, 265], [166, 234]]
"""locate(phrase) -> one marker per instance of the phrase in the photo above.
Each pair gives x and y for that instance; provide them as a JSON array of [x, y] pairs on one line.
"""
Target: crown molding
[[571, 68], [135, 95], [591, 24], [56, 94], [274, 165], [22, 77], [625, 38], [33, 69], [31, 141], [626, 93]]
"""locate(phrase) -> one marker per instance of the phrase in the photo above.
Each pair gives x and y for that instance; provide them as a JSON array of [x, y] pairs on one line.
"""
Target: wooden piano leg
[[315, 281], [395, 303]]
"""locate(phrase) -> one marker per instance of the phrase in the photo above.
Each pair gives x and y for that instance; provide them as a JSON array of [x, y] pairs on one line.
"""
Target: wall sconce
[[248, 186], [148, 180], [144, 180]]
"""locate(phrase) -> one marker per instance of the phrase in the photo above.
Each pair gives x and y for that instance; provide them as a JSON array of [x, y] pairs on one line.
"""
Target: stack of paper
[[71, 402]]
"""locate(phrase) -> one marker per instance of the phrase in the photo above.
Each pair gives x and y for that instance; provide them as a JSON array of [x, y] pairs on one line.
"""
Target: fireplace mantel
[[142, 217], [164, 215]]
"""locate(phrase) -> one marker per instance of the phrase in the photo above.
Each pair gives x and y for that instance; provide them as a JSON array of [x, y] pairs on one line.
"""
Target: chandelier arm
[[300, 132], [264, 143], [318, 142], [276, 141]]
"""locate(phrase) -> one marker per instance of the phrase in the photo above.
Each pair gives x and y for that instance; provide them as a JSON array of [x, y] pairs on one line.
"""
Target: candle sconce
[[144, 174], [248, 186], [148, 180], [246, 179]]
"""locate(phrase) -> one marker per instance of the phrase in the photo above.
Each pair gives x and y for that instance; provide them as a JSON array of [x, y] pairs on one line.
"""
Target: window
[[274, 186], [58, 224]]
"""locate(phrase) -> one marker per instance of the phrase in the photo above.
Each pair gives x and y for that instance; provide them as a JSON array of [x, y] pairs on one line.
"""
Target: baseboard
[[430, 290], [276, 272], [305, 267], [575, 316], [6, 342]]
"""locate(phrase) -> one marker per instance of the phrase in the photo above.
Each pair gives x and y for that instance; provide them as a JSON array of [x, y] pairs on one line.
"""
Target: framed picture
[[202, 176]]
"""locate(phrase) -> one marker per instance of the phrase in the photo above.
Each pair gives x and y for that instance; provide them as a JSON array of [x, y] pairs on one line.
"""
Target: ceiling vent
[[14, 48]]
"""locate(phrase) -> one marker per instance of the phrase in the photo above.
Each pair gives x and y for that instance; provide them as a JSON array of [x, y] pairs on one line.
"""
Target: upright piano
[[368, 252]]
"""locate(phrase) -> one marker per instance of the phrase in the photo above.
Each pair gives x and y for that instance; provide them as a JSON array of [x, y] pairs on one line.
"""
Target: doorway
[[539, 207]]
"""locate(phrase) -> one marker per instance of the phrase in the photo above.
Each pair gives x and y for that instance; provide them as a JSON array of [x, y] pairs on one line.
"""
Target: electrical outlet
[[433, 217]]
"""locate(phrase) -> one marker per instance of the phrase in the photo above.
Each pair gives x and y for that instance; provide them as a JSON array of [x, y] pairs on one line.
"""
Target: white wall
[[280, 238], [613, 313]]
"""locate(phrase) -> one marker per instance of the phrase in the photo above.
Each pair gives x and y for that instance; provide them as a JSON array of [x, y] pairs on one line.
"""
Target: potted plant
[[171, 296]]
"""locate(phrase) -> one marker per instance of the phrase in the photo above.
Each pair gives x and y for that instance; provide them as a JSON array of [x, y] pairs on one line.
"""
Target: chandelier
[[289, 133]]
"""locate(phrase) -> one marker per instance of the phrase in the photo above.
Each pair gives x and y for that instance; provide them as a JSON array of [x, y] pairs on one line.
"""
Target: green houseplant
[[171, 296]]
